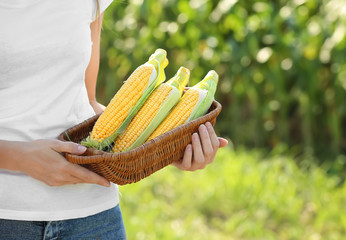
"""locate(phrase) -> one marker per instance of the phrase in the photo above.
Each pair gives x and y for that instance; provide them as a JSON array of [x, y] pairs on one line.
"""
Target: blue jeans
[[107, 225]]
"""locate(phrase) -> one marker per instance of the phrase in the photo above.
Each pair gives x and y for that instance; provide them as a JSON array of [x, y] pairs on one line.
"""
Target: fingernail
[[189, 147], [195, 137], [203, 127], [208, 124], [81, 148]]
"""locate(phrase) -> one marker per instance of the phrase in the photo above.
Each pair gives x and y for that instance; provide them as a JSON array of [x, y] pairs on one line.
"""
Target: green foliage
[[281, 63], [282, 74], [242, 195]]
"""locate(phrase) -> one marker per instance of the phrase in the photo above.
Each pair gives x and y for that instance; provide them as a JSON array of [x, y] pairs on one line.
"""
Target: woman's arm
[[93, 67], [42, 160]]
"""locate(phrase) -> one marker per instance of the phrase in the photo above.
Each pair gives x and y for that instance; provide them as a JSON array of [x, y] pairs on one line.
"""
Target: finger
[[59, 179], [214, 139], [223, 142], [208, 149], [87, 176], [69, 147], [53, 183], [185, 164], [74, 180], [198, 157]]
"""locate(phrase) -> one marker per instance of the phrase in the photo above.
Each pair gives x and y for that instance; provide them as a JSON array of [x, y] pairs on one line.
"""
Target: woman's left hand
[[203, 149]]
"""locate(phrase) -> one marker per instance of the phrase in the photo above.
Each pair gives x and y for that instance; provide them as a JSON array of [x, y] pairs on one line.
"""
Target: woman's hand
[[203, 149], [42, 160]]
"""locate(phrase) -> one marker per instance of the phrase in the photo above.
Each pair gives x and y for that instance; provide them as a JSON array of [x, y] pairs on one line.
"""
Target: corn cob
[[127, 101], [195, 102], [153, 112]]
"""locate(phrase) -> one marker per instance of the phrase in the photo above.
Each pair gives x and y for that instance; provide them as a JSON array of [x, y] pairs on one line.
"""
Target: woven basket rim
[[138, 163], [160, 138], [147, 146]]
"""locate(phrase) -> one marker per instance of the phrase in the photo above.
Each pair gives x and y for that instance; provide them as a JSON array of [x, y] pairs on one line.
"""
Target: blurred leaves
[[242, 195], [281, 63]]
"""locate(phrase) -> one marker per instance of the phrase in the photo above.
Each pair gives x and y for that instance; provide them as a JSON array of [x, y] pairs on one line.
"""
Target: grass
[[242, 195]]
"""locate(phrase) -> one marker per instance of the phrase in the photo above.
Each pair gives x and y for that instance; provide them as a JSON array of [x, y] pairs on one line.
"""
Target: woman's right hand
[[43, 160]]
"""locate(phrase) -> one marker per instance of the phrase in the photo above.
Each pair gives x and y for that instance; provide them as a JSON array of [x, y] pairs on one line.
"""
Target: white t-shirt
[[45, 48]]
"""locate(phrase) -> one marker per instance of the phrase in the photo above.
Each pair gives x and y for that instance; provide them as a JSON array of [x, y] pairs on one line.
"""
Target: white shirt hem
[[57, 215]]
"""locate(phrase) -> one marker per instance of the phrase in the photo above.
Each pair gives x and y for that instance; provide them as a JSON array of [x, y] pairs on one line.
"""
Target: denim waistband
[[103, 226]]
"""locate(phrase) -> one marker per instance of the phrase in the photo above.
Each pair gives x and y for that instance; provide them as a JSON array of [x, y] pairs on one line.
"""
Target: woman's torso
[[45, 48]]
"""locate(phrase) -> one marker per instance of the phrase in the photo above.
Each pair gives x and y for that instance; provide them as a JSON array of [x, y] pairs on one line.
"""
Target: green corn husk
[[188, 108], [159, 61], [207, 88], [177, 84]]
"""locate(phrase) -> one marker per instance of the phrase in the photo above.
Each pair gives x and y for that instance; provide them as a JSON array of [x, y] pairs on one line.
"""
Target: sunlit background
[[282, 67]]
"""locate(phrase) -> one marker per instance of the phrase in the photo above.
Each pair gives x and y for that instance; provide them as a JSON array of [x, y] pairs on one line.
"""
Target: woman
[[49, 60]]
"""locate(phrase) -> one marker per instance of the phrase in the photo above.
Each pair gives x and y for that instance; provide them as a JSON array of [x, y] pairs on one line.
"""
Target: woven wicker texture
[[136, 164]]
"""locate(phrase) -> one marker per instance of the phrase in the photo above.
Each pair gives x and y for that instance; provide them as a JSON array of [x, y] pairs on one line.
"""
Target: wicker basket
[[136, 164]]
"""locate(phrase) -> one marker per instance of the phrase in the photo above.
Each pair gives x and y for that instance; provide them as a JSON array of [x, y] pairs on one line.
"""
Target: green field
[[242, 195], [282, 64], [282, 68]]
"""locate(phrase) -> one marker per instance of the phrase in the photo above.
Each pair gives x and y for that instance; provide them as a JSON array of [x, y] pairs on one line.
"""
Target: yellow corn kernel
[[122, 102], [195, 103], [127, 101], [142, 119], [180, 113]]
